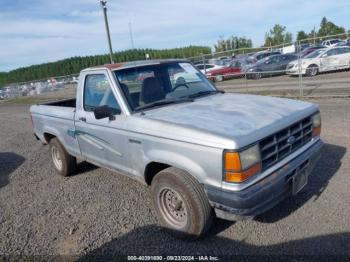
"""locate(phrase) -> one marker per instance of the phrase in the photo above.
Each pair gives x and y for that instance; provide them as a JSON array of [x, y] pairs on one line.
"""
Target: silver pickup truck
[[203, 152]]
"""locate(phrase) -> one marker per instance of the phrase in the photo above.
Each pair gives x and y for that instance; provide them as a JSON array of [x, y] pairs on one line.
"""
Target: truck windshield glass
[[145, 86]]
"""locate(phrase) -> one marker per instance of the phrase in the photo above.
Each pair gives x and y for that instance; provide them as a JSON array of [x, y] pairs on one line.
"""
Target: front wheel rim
[[56, 158], [172, 207], [313, 71]]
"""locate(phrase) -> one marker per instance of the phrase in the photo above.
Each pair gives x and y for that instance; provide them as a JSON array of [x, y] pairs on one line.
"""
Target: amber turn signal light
[[238, 177], [316, 131], [232, 161]]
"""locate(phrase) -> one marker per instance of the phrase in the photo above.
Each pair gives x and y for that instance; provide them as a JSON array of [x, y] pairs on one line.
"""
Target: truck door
[[101, 141]]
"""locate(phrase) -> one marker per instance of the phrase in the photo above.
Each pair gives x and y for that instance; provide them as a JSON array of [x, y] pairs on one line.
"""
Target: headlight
[[239, 166], [316, 124]]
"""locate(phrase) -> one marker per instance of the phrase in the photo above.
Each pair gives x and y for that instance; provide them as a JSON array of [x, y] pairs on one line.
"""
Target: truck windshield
[[162, 84]]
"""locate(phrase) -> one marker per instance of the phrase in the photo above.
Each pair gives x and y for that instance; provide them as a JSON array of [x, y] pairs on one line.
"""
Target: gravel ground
[[100, 212]]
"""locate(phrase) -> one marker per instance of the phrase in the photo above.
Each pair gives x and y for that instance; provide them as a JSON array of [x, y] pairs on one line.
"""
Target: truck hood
[[240, 119]]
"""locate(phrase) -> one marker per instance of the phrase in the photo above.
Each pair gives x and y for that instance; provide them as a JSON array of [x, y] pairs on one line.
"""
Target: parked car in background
[[344, 43], [221, 61], [245, 63], [309, 50], [347, 41], [233, 69], [304, 46], [331, 42], [262, 54], [272, 65], [322, 60], [205, 68]]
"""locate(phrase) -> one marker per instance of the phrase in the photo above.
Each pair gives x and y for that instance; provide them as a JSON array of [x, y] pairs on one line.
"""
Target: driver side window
[[98, 92], [332, 52]]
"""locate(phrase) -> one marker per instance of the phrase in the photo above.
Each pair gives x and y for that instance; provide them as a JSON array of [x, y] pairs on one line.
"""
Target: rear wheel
[[181, 203], [63, 162], [312, 70]]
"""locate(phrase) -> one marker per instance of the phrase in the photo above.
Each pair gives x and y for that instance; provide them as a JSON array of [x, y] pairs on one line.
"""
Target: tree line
[[279, 35], [74, 65]]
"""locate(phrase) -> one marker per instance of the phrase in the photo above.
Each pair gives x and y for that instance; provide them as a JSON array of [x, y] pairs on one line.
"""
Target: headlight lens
[[250, 157], [239, 166], [316, 124]]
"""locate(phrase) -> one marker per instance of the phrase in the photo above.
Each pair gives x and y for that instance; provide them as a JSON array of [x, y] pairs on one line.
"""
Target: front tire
[[181, 203], [312, 70], [219, 78], [257, 75], [63, 162]]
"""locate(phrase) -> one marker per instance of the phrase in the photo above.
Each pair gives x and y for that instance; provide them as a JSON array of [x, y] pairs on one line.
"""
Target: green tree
[[301, 35], [278, 35], [329, 28], [74, 64], [232, 43]]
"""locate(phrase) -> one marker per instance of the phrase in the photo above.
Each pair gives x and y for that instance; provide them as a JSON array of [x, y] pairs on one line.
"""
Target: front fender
[[179, 161]]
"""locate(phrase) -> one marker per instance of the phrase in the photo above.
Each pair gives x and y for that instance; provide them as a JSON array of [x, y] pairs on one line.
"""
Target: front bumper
[[264, 194], [295, 71]]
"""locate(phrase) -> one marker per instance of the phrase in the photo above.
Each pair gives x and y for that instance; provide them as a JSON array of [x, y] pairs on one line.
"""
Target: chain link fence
[[300, 69], [38, 87], [311, 67]]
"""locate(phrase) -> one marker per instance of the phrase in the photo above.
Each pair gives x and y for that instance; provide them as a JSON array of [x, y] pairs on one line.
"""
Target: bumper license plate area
[[299, 181]]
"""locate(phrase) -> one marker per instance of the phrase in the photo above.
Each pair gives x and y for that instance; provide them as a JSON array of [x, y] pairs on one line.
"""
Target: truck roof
[[131, 64]]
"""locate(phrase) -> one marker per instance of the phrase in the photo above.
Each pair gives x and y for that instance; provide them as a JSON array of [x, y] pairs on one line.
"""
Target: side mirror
[[105, 111], [324, 55]]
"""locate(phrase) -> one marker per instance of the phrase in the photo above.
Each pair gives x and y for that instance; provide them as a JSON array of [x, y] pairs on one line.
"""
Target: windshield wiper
[[204, 93], [164, 102]]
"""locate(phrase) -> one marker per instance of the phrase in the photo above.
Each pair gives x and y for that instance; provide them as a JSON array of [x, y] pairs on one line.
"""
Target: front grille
[[276, 147]]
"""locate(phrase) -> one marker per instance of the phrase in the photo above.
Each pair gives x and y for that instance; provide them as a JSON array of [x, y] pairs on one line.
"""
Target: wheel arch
[[153, 168], [159, 163], [48, 136]]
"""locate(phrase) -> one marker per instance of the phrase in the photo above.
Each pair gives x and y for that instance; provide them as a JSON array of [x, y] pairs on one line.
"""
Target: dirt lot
[[100, 212]]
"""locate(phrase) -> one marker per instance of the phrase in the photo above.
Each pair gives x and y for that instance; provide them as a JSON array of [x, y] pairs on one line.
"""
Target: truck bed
[[56, 118], [64, 103]]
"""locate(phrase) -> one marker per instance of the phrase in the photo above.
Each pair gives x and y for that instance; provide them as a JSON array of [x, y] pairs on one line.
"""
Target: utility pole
[[104, 9], [131, 36]]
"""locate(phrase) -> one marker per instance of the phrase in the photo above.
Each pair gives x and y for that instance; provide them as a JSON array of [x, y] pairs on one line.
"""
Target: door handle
[[82, 119]]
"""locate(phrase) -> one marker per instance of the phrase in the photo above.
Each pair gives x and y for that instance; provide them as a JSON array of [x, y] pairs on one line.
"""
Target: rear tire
[[181, 203], [64, 163], [312, 70]]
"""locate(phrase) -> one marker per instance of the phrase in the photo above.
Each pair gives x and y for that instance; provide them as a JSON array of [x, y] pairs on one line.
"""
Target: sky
[[39, 31]]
